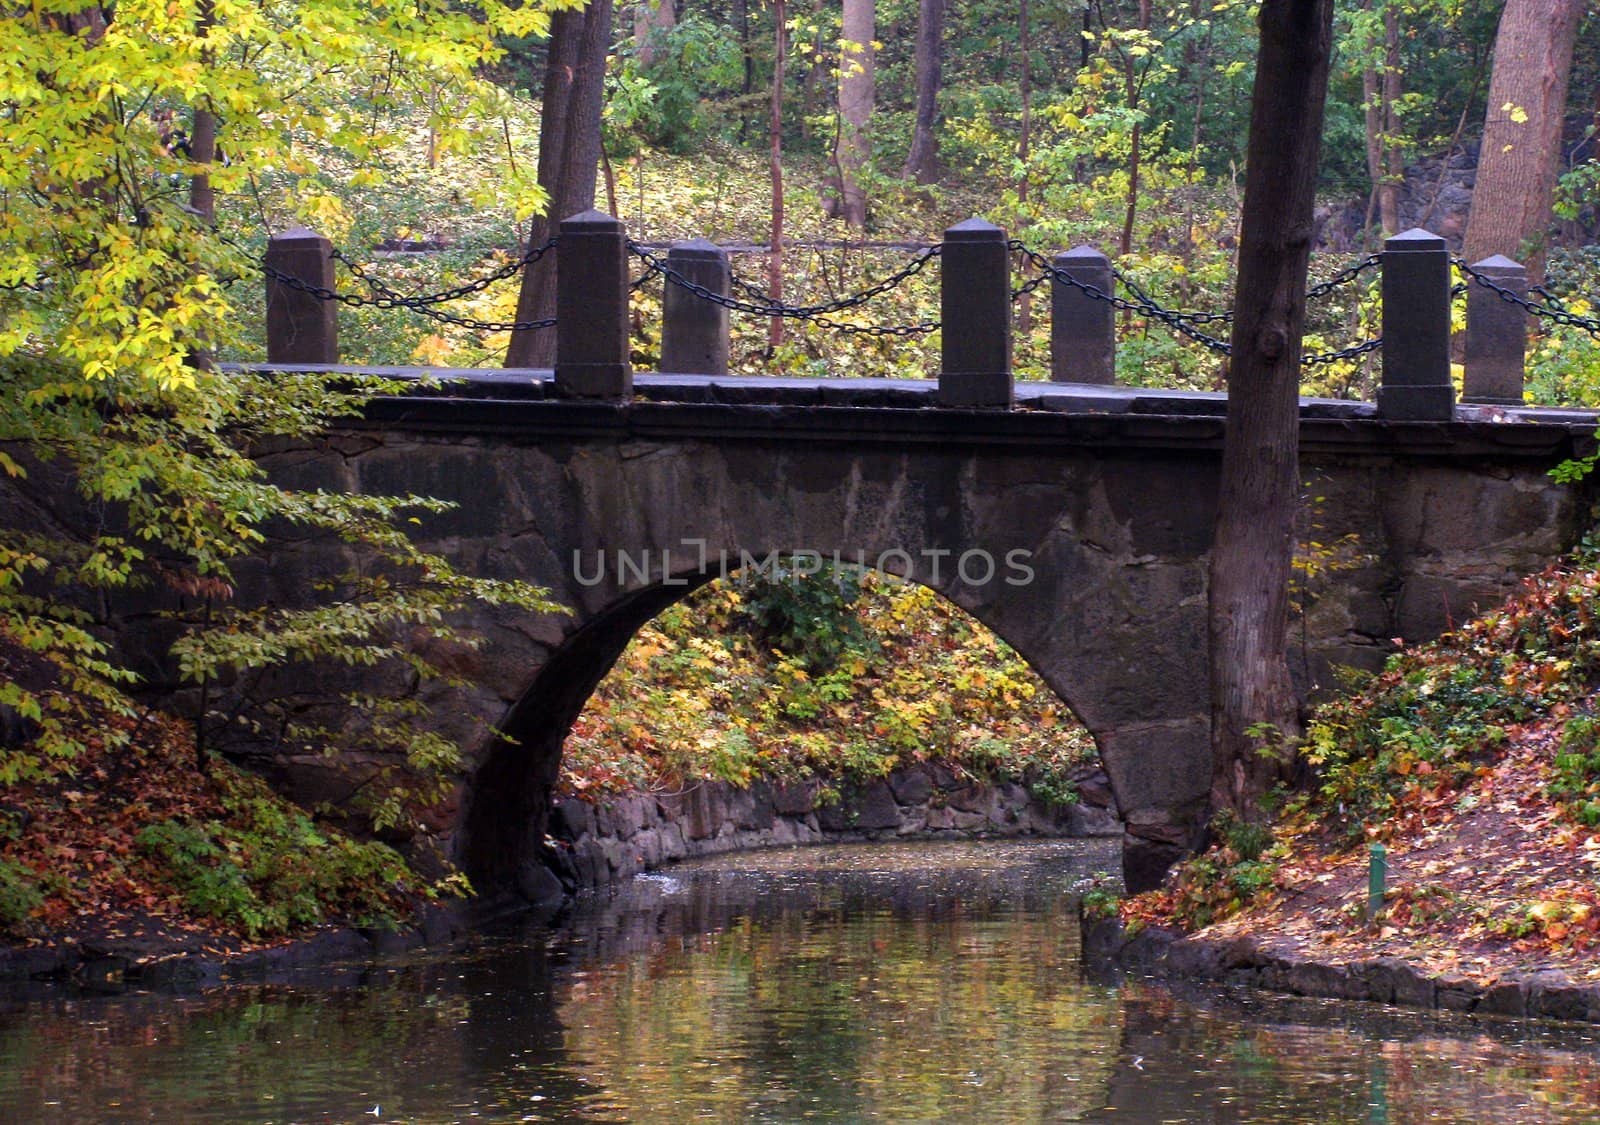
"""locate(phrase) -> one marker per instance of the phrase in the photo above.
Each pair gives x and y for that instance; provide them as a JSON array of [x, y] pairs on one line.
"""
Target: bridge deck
[[786, 408]]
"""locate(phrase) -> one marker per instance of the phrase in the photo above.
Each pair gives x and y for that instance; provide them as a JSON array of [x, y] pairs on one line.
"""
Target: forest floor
[[1474, 762], [1484, 881], [127, 846]]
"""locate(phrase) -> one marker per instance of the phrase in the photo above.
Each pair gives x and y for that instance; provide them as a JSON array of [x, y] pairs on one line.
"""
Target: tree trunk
[[569, 160], [855, 107], [1025, 92], [1024, 322], [1521, 152], [775, 169], [1252, 699], [1394, 165], [1380, 94], [203, 134], [922, 162], [652, 19], [1201, 69], [1133, 81]]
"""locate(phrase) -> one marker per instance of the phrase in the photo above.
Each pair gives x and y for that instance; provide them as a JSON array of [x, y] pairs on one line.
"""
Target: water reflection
[[916, 983]]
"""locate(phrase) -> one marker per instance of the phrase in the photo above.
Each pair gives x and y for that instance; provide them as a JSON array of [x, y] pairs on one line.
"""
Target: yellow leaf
[[1545, 910]]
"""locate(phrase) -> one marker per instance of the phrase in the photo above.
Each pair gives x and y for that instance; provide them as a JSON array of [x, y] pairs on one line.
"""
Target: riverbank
[[112, 942], [1474, 764], [601, 840], [130, 865]]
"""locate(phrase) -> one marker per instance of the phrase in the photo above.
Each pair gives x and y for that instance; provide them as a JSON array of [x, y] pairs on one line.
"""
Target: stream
[[914, 982]]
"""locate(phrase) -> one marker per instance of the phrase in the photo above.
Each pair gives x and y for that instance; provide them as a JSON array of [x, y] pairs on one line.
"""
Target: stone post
[[592, 308], [1497, 334], [1416, 329], [975, 307], [301, 328], [694, 331], [1083, 329]]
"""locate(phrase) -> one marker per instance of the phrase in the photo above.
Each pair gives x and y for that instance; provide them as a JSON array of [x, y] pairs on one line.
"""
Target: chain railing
[[977, 280], [756, 302], [1146, 301], [386, 297], [1183, 322], [1049, 271], [762, 304], [1346, 276], [1550, 310]]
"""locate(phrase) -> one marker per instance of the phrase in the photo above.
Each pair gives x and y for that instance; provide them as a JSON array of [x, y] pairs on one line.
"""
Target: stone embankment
[[1260, 962], [596, 843]]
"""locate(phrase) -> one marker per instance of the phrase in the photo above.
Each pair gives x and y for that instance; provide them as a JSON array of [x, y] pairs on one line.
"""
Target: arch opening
[[799, 677]]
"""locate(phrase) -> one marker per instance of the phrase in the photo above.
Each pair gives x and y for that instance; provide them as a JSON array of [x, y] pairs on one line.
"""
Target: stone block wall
[[604, 841]]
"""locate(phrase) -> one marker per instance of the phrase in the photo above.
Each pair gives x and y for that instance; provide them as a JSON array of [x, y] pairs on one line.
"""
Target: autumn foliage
[[1476, 761], [124, 839], [842, 675]]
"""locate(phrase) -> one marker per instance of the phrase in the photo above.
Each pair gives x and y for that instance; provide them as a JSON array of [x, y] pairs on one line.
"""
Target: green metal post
[[1377, 870]]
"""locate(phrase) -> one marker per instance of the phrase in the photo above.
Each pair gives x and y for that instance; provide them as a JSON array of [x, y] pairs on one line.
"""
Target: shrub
[[267, 869], [20, 896]]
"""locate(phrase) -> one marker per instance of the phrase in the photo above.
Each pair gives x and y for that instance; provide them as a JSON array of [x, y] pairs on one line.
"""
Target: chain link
[[762, 304], [1354, 351], [752, 291], [445, 296], [1149, 302], [1552, 312], [1554, 300], [1049, 271], [1180, 322], [1344, 277], [388, 298]]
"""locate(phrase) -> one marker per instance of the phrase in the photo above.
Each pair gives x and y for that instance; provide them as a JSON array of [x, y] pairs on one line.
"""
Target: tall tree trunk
[[922, 162], [1133, 84], [1024, 323], [569, 160], [1394, 168], [1521, 151], [1380, 93], [855, 107], [1200, 67], [203, 133], [1253, 547], [747, 57], [652, 19], [775, 169]]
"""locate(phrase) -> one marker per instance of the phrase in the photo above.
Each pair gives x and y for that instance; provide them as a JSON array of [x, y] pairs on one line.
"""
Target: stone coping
[[1263, 963], [523, 402]]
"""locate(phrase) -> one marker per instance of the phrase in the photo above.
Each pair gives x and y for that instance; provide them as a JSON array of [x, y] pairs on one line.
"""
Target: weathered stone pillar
[[1497, 334], [694, 331], [975, 307], [592, 308], [1416, 329], [301, 328], [1083, 329]]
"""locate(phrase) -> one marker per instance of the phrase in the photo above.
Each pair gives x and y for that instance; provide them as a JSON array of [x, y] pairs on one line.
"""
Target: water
[[908, 983]]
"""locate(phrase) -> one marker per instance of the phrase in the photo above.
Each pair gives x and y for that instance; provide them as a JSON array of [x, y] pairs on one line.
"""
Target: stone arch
[[509, 794], [1112, 615]]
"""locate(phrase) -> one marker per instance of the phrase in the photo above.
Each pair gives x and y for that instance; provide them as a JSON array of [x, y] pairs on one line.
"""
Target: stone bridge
[[1075, 526]]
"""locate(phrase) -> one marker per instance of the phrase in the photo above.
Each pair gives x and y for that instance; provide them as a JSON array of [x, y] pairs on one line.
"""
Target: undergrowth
[[128, 833], [841, 675], [1417, 738], [263, 868]]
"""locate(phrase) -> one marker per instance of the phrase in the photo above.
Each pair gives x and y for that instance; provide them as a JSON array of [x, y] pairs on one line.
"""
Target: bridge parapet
[[976, 295]]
